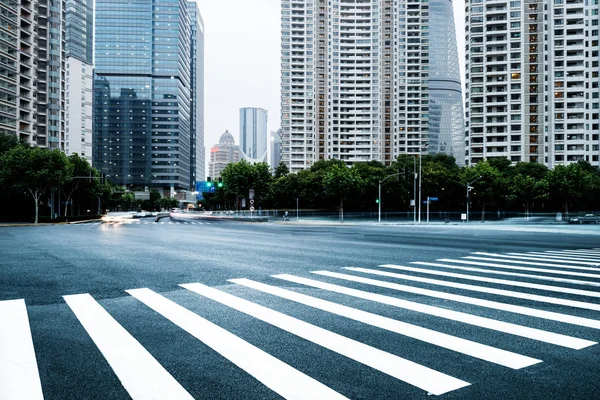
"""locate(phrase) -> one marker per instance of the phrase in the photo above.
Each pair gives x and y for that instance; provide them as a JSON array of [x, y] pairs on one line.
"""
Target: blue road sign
[[433, 199]]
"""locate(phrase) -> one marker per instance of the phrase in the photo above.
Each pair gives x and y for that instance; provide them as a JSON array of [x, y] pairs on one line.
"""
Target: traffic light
[[220, 184], [377, 201], [209, 182]]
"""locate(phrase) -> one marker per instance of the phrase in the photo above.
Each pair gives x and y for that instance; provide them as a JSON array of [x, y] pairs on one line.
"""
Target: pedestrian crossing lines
[[136, 222], [391, 289]]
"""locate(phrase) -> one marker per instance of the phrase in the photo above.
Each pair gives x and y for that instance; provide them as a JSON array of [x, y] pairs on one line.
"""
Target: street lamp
[[379, 198], [469, 187]]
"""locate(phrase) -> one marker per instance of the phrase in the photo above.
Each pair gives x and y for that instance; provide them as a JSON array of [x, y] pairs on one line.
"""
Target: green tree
[[339, 182], [242, 176], [490, 190], [80, 168], [7, 142], [569, 184], [281, 170], [35, 170]]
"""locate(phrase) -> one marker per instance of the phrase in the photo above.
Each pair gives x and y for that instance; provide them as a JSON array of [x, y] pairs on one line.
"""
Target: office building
[[275, 149], [355, 82], [197, 154], [223, 153], [253, 133], [532, 73], [143, 93], [79, 70], [32, 71]]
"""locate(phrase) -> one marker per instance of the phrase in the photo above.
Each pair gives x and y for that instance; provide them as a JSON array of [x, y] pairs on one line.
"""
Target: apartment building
[[532, 78], [356, 81], [32, 71]]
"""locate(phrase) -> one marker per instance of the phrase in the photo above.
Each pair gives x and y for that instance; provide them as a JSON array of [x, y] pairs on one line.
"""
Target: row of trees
[[329, 184], [47, 181]]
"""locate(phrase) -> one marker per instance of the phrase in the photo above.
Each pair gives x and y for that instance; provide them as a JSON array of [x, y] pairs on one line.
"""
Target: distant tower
[[275, 153], [223, 153], [253, 132]]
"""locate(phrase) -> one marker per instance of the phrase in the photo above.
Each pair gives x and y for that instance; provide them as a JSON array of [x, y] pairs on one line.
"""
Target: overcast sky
[[242, 61]]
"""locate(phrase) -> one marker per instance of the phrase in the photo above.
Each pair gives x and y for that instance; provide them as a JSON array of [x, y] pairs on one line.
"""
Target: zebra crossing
[[544, 315], [137, 222]]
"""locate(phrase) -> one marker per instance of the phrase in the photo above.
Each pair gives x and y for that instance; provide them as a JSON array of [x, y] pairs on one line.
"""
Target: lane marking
[[533, 312], [270, 371], [549, 262], [491, 271], [459, 345], [140, 373], [19, 375], [407, 371], [550, 271], [559, 289]]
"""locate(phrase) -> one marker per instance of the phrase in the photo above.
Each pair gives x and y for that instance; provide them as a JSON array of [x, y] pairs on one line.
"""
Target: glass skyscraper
[[253, 133], [143, 92], [446, 114], [197, 155]]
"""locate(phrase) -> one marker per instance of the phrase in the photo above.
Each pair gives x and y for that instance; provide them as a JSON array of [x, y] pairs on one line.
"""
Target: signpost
[[429, 200]]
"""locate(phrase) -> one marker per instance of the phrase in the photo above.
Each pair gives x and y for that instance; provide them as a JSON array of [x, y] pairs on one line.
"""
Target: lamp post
[[379, 198], [469, 187]]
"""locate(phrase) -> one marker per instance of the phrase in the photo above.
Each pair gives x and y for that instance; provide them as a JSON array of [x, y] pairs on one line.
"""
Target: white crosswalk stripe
[[563, 256], [490, 271], [273, 373], [141, 375], [468, 347], [547, 262], [19, 377], [519, 268], [410, 372], [475, 288]]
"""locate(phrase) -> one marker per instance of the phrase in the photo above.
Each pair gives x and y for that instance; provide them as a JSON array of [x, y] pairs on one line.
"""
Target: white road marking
[[463, 346], [140, 373], [491, 271], [533, 312], [536, 260], [559, 289], [550, 271], [473, 288], [410, 372], [270, 371], [560, 254], [19, 375]]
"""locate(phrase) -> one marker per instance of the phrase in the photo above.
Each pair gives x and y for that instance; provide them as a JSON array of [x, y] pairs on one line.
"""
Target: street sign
[[251, 194], [412, 203], [433, 199], [251, 201], [463, 216], [425, 202], [252, 207]]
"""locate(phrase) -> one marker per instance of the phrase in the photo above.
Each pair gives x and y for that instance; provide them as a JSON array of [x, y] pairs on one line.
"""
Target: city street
[[233, 310]]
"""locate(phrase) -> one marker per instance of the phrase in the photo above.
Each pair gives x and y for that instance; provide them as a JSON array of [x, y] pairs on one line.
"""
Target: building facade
[[143, 93], [223, 153], [32, 71], [79, 70], [197, 156], [532, 72], [356, 81], [275, 150], [253, 132]]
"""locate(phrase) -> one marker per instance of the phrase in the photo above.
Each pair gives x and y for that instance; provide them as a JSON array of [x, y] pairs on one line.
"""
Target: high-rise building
[[223, 153], [143, 93], [197, 156], [532, 70], [275, 149], [79, 70], [253, 133], [32, 71], [356, 81]]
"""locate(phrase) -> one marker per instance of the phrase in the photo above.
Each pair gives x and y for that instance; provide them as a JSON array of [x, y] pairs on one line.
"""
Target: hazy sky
[[242, 61]]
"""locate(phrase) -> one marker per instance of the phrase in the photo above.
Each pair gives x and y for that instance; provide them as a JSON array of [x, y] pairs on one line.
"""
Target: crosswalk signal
[[220, 184]]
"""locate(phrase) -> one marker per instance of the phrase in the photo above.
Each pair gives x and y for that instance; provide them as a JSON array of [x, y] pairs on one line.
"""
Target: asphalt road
[[96, 311]]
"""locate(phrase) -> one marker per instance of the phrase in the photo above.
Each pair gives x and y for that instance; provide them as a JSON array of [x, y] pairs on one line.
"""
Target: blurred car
[[585, 219]]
